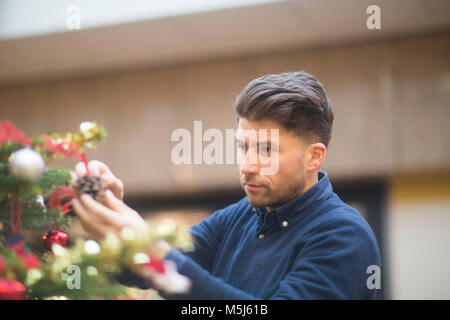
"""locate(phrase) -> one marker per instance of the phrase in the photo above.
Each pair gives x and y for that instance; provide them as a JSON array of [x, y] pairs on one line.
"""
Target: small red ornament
[[11, 290], [55, 236]]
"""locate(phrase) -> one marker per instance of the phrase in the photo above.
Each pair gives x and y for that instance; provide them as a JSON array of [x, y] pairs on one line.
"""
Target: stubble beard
[[274, 197]]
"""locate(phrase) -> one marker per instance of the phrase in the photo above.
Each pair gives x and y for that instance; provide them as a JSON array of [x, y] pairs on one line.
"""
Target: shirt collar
[[302, 203]]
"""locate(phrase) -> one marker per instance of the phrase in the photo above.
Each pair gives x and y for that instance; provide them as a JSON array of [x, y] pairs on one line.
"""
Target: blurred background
[[145, 68]]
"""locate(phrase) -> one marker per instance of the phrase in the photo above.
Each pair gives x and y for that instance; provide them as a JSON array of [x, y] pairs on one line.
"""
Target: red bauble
[[55, 236], [11, 290]]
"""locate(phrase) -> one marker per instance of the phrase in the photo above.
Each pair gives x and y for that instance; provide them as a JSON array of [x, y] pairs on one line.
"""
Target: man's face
[[275, 189]]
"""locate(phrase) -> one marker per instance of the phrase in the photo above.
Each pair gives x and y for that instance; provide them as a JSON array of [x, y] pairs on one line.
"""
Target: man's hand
[[99, 220], [100, 169]]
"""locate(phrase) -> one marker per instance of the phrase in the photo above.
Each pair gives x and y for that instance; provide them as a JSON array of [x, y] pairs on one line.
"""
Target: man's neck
[[310, 182]]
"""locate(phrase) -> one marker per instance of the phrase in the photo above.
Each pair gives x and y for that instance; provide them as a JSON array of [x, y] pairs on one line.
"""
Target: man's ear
[[315, 155]]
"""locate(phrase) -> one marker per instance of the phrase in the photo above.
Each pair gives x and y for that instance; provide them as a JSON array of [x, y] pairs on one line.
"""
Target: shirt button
[[261, 235], [284, 224]]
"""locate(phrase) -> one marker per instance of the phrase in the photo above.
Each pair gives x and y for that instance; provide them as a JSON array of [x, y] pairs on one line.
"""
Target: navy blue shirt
[[313, 247]]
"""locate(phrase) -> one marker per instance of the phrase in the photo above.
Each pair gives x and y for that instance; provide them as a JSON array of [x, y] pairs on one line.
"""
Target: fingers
[[112, 202], [80, 169], [115, 185], [130, 215], [111, 181], [90, 225], [96, 168], [99, 211], [99, 167], [99, 220]]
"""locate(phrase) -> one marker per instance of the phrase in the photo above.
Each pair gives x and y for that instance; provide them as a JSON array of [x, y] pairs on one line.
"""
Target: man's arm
[[331, 265], [207, 236]]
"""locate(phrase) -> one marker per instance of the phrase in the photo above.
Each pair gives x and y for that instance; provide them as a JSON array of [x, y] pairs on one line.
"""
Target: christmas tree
[[35, 195]]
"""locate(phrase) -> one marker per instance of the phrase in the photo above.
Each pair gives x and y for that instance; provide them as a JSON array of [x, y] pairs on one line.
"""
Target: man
[[291, 237]]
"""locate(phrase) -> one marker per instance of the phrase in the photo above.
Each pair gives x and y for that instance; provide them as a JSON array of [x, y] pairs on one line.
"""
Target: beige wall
[[391, 109]]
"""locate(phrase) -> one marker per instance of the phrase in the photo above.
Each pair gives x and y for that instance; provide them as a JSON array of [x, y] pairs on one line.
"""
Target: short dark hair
[[296, 100]]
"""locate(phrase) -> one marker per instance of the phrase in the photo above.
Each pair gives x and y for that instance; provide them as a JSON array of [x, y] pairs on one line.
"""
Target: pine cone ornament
[[92, 185]]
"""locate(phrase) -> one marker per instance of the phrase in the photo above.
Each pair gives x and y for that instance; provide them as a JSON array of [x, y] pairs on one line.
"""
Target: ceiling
[[254, 29]]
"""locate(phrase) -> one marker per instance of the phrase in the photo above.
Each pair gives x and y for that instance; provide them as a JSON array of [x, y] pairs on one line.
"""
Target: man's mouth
[[250, 186]]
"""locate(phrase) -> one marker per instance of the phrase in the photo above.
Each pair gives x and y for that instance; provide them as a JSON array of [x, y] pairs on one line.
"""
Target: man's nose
[[250, 165]]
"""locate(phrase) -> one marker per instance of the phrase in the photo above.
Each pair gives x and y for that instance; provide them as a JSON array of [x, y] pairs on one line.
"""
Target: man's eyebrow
[[268, 143], [262, 143]]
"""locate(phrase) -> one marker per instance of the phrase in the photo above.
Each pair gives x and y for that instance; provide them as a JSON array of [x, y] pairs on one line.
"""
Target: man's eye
[[265, 149], [241, 146], [268, 150]]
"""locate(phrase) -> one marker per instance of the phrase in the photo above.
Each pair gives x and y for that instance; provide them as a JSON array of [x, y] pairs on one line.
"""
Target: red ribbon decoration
[[83, 157]]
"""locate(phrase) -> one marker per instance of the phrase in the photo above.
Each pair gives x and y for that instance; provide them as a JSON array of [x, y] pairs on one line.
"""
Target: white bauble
[[26, 164]]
